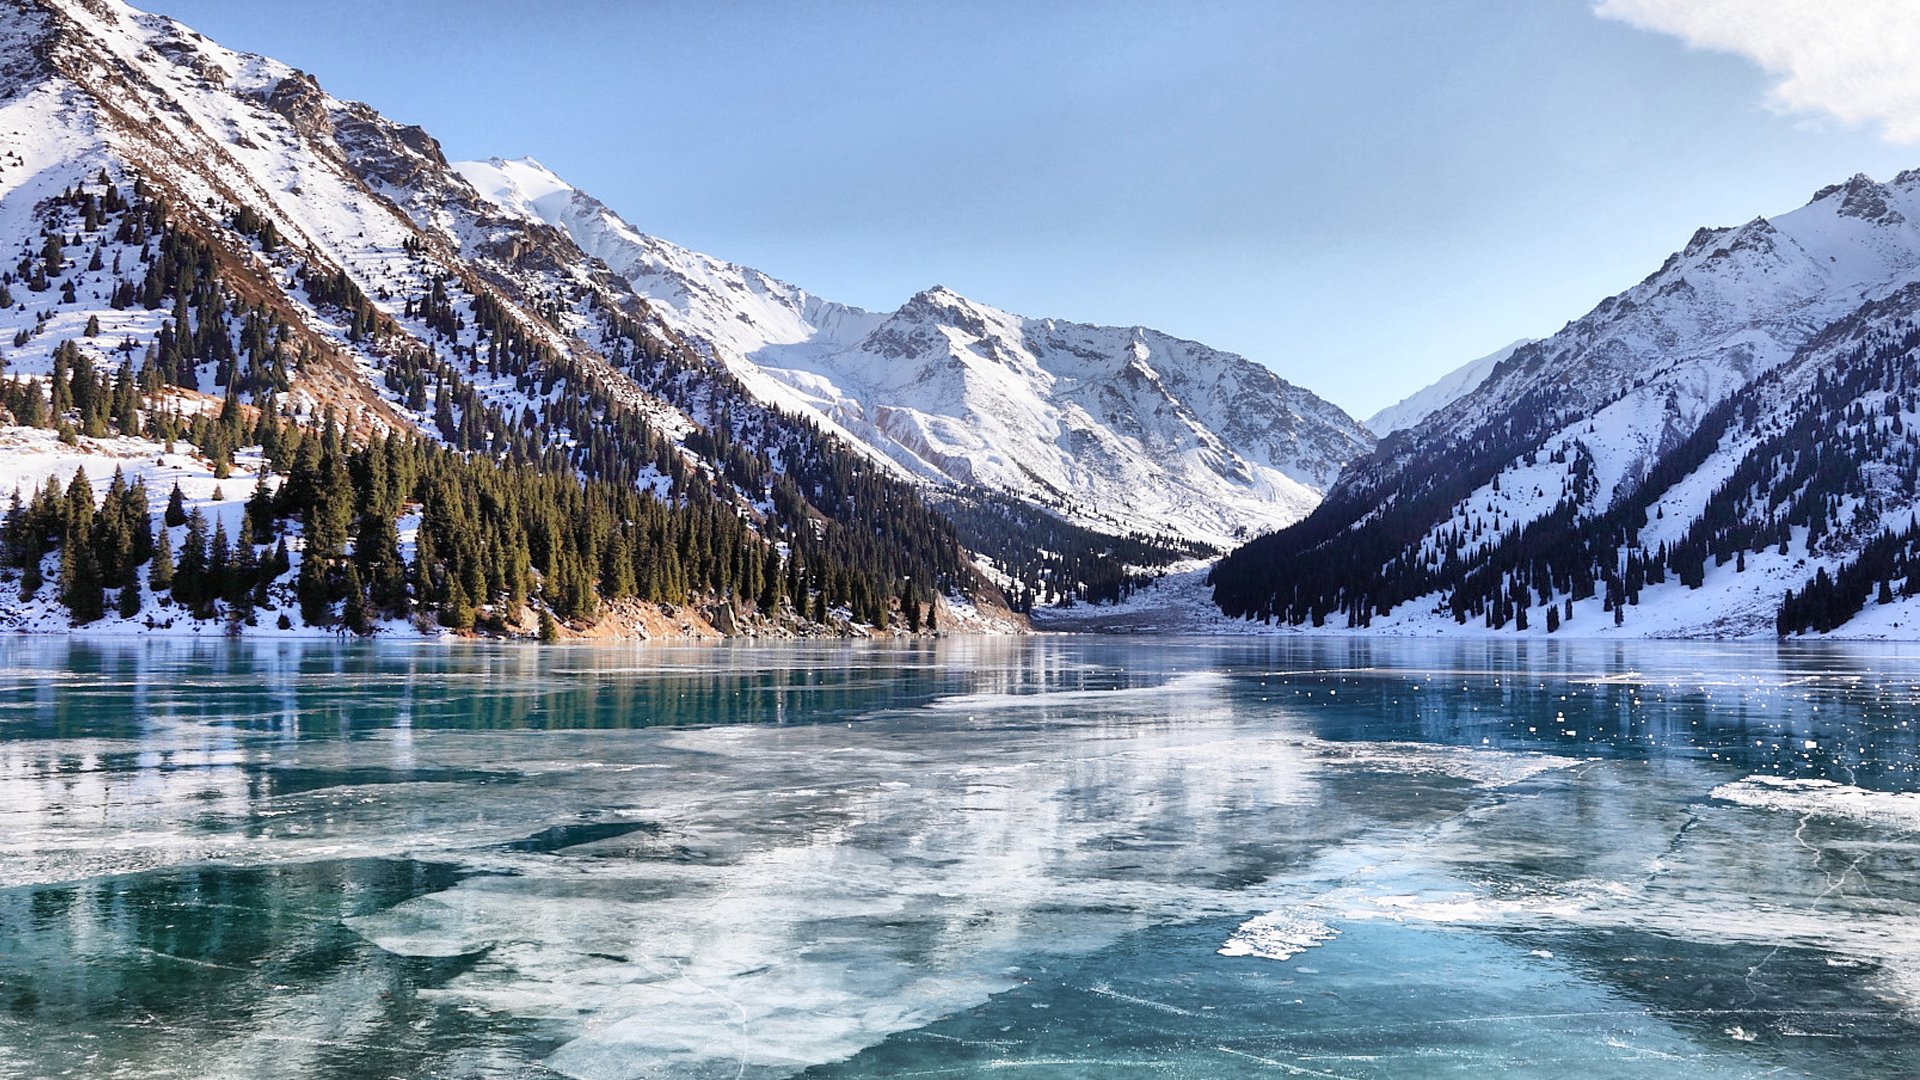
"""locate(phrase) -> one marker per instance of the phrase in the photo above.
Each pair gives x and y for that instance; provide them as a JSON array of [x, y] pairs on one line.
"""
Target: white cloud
[[1857, 60]]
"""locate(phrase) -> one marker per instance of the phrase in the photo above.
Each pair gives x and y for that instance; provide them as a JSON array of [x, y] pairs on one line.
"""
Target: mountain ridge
[[222, 224], [1646, 405], [1021, 410]]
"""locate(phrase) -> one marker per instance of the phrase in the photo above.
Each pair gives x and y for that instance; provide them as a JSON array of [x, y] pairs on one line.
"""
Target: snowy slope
[[1121, 429], [294, 251], [735, 311], [1126, 427], [30, 457], [1609, 413], [100, 87], [1444, 391], [1639, 371]]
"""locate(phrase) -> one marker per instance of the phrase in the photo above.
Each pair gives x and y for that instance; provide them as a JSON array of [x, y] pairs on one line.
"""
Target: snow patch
[[1278, 935]]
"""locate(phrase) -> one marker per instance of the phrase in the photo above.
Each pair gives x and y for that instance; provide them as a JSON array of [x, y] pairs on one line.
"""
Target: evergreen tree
[[160, 574], [457, 612], [80, 587], [357, 615], [190, 575]]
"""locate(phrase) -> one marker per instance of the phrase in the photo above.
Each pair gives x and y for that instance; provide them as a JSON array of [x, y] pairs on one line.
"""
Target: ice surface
[[1800, 795], [1061, 855]]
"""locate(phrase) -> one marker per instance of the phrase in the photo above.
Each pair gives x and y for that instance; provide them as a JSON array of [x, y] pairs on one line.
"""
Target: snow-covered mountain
[[229, 230], [1535, 482], [1444, 391], [1120, 429]]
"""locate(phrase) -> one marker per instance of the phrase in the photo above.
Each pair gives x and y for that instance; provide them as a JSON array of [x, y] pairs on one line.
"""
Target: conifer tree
[[457, 612], [190, 585], [357, 615], [160, 574]]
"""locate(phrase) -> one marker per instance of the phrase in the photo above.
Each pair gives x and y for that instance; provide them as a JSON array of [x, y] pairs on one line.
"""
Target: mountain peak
[[1861, 197], [1120, 429], [940, 296]]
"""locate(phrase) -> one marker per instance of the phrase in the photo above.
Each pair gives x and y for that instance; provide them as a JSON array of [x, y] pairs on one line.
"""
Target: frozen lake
[[1069, 857]]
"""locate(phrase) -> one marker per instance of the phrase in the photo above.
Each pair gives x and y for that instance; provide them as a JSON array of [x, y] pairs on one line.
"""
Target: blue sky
[[1360, 195]]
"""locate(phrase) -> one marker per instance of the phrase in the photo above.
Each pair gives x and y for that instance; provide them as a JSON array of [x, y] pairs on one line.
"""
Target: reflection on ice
[[1331, 858]]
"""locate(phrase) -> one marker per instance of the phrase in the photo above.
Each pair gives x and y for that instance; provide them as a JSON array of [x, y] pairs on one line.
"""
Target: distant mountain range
[[1116, 429], [1444, 391]]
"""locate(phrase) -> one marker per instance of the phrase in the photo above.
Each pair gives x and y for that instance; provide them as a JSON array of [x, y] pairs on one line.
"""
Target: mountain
[[228, 254], [1734, 430], [1119, 430], [1444, 391]]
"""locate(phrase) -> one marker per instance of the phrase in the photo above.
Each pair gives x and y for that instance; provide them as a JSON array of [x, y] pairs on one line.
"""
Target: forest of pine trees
[[510, 510], [1821, 474], [1051, 561], [491, 538]]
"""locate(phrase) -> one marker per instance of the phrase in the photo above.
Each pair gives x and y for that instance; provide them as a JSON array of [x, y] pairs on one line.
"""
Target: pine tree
[[80, 587], [219, 580], [190, 585], [243, 573], [313, 592], [160, 575], [78, 510], [30, 580], [260, 518], [357, 616], [771, 582], [457, 612]]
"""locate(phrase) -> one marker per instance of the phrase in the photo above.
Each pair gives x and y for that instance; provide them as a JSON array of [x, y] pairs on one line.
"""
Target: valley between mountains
[[273, 364]]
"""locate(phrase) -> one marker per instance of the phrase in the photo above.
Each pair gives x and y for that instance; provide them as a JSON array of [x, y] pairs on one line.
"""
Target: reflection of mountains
[[323, 689], [1833, 711]]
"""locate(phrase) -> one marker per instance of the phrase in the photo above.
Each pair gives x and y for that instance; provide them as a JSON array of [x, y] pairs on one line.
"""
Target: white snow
[[1278, 935], [1900, 810]]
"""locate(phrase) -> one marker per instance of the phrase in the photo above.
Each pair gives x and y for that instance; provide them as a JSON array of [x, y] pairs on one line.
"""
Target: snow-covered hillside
[[1444, 391], [1644, 366], [184, 216], [1752, 391], [1121, 429]]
